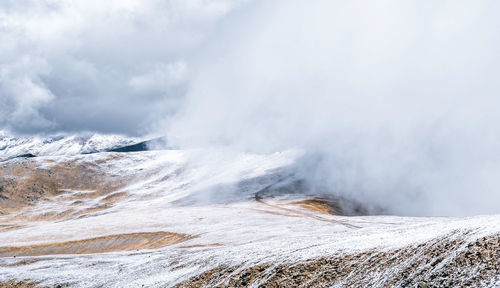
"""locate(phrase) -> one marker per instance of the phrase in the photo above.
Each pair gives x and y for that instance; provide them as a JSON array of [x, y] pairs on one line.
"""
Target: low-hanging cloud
[[397, 100]]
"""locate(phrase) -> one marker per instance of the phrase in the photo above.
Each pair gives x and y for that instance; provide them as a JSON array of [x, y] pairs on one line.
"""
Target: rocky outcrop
[[440, 263]]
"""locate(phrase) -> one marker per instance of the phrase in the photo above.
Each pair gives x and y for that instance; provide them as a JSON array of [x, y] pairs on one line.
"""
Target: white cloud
[[160, 78], [399, 98]]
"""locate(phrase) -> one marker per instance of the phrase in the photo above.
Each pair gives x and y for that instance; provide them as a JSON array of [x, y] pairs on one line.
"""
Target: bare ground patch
[[320, 205], [304, 214], [110, 243], [25, 284], [23, 183], [7, 227]]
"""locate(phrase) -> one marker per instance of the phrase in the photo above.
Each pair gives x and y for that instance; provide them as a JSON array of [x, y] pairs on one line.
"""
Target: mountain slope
[[11, 146], [196, 218]]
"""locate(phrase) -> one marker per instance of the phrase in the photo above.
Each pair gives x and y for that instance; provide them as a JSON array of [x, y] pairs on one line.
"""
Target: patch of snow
[[247, 232]]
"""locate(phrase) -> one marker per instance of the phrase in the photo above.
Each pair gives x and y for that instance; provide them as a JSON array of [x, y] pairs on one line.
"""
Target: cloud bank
[[108, 66], [395, 101]]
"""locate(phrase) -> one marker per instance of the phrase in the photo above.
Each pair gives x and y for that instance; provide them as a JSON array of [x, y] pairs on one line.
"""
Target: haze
[[395, 103]]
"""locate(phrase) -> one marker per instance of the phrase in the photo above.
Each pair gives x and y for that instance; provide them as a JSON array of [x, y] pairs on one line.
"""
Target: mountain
[[216, 218], [12, 146], [152, 144]]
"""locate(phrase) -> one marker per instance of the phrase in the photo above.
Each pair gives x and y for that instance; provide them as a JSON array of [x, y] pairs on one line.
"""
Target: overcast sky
[[126, 66], [109, 66]]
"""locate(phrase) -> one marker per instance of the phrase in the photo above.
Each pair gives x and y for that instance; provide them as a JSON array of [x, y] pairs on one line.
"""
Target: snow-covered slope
[[197, 218], [11, 146]]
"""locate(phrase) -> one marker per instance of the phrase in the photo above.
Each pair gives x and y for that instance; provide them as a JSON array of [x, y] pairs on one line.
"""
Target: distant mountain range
[[33, 146]]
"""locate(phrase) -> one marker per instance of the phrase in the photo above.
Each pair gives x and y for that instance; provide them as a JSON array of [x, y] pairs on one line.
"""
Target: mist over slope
[[293, 142], [191, 218], [396, 100], [394, 103]]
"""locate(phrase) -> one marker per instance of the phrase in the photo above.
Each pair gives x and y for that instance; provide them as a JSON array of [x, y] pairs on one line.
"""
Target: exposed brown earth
[[22, 183], [26, 261], [111, 243], [439, 263], [319, 205], [304, 214], [7, 227], [77, 188], [24, 284], [115, 197]]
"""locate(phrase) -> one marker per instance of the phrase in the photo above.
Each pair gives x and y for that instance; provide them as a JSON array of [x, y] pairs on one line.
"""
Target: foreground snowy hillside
[[194, 218]]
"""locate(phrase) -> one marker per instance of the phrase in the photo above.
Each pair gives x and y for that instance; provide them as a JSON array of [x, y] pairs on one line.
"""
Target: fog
[[396, 103]]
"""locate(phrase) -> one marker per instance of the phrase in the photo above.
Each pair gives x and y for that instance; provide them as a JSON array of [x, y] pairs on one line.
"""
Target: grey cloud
[[109, 66], [397, 99]]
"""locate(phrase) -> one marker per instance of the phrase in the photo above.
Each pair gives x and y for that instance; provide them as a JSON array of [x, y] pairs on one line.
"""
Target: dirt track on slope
[[305, 214]]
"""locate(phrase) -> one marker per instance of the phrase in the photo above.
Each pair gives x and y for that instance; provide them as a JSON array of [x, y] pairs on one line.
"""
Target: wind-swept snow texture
[[12, 146], [197, 218]]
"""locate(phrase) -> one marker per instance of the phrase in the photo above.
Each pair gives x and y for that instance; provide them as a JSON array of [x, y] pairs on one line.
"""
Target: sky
[[112, 66], [396, 101]]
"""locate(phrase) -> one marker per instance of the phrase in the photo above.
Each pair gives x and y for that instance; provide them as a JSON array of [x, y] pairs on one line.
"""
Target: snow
[[11, 146], [199, 192]]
